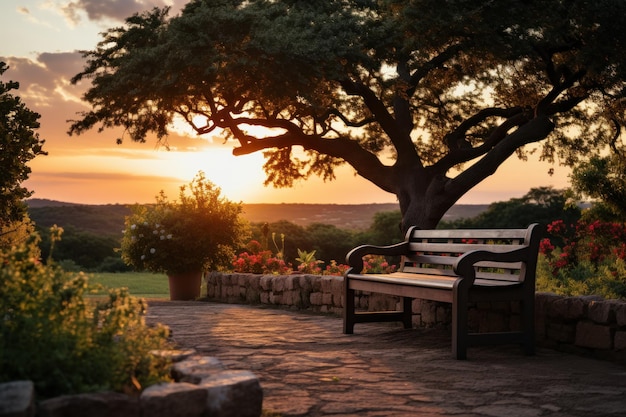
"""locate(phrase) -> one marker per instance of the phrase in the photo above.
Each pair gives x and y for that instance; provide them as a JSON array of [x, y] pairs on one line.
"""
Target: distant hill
[[108, 219]]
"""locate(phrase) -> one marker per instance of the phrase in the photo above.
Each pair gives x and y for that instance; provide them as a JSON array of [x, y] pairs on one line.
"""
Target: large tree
[[424, 98], [19, 144]]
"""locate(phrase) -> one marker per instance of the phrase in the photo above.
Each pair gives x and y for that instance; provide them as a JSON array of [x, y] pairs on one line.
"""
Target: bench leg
[[407, 312], [460, 329], [348, 309], [528, 324]]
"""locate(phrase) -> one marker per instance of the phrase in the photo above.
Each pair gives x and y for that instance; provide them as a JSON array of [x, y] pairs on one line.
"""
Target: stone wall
[[589, 326], [201, 387]]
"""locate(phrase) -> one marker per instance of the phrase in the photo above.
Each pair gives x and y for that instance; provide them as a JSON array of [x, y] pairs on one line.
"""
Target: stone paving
[[307, 367]]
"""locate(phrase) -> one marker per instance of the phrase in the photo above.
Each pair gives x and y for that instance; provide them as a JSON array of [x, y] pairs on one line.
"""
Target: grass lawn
[[140, 284]]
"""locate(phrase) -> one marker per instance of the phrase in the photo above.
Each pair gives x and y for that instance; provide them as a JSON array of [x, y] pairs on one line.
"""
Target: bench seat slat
[[472, 233], [424, 280], [458, 248]]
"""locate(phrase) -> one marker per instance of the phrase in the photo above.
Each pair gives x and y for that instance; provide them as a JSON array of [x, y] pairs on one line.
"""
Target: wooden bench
[[453, 266]]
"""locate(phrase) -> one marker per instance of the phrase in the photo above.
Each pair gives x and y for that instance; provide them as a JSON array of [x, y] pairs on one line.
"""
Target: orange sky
[[92, 169]]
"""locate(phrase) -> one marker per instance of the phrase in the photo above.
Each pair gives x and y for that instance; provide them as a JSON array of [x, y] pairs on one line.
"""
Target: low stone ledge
[[202, 387]]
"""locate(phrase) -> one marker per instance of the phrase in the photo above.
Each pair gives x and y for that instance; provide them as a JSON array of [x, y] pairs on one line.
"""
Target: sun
[[239, 177]]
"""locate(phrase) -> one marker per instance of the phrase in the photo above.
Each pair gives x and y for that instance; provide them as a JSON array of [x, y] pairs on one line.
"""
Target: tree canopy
[[18, 145], [423, 98], [604, 180]]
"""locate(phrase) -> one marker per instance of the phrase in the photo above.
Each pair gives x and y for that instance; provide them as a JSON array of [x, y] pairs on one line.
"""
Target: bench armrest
[[354, 258], [464, 266]]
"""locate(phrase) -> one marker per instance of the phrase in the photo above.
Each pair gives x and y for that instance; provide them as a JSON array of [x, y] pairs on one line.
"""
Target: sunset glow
[[92, 169]]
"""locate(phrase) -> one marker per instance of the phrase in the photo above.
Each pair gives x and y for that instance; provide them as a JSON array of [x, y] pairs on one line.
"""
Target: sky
[[41, 40]]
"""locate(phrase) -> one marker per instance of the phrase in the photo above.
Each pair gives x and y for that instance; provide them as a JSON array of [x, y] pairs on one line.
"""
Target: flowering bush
[[258, 261], [588, 257], [377, 264], [196, 233], [308, 263], [335, 269]]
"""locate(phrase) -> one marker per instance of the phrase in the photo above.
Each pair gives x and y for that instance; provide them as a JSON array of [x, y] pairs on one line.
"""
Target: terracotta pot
[[185, 286]]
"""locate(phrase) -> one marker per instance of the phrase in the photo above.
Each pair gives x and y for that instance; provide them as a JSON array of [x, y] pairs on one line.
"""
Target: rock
[[196, 368], [173, 399], [234, 393], [102, 404], [17, 399]]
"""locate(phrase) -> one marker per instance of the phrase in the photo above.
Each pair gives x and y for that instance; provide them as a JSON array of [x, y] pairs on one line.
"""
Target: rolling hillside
[[108, 219]]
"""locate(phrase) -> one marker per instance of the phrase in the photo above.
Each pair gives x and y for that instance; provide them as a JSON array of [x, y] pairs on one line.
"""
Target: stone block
[[234, 393], [327, 298], [291, 282], [591, 335], [278, 283], [290, 297], [429, 314], [443, 313], [172, 399], [336, 284], [569, 308], [326, 281], [620, 314], [305, 282], [101, 404], [619, 342], [17, 399], [194, 369], [316, 298], [264, 297], [265, 282], [601, 311], [316, 282]]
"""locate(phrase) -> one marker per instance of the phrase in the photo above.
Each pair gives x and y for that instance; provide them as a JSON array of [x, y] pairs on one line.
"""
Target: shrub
[[197, 233], [377, 264], [590, 259], [335, 269], [257, 261], [65, 343]]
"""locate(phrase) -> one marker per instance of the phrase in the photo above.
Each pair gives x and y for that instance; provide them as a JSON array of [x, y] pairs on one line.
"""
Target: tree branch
[[535, 130]]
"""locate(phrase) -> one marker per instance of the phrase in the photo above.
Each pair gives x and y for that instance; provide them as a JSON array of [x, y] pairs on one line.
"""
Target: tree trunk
[[423, 199]]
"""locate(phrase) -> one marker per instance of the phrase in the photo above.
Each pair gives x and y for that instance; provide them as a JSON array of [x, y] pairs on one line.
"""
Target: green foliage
[[604, 180], [86, 249], [52, 334], [102, 220], [19, 144], [16, 232], [540, 205], [328, 241], [607, 279], [308, 264], [405, 92], [590, 260], [199, 232]]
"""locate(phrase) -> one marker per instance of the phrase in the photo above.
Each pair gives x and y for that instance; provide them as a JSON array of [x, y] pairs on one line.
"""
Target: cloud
[[45, 81], [116, 10]]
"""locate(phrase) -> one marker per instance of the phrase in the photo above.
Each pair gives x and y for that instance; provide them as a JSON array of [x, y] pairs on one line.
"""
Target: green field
[[139, 284]]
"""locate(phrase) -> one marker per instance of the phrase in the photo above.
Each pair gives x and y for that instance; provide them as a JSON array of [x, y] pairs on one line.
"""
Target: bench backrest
[[435, 251]]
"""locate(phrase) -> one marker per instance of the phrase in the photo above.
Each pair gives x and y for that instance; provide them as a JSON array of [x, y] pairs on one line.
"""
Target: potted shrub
[[184, 238]]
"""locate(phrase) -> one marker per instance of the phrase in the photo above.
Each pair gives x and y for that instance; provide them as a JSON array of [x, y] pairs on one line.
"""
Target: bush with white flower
[[199, 232]]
